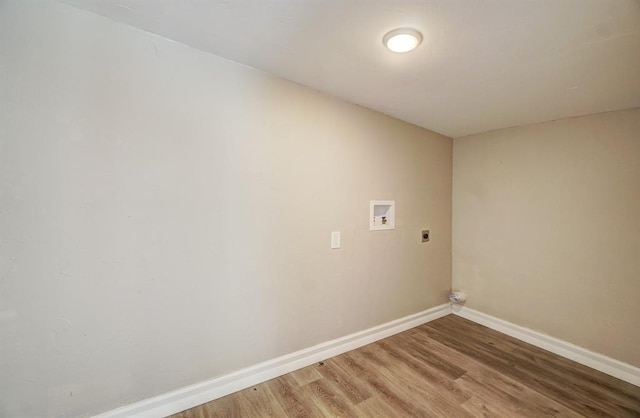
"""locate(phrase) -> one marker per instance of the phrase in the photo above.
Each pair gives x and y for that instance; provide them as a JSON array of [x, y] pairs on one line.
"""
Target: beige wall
[[546, 228], [166, 215]]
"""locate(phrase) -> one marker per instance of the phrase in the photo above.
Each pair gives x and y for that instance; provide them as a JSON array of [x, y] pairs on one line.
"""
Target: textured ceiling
[[484, 64]]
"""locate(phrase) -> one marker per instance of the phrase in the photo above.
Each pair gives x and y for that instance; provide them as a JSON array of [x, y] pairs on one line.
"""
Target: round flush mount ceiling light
[[402, 39]]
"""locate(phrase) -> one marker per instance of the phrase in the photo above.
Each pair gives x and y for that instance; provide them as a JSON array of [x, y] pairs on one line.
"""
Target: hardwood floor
[[450, 367]]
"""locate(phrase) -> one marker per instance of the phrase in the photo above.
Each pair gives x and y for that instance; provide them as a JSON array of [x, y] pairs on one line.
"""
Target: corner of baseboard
[[597, 361]]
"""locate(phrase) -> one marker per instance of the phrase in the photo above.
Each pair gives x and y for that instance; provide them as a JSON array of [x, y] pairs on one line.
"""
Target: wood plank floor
[[450, 367]]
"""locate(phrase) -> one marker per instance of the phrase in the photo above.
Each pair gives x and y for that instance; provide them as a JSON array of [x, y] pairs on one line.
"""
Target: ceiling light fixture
[[402, 39]]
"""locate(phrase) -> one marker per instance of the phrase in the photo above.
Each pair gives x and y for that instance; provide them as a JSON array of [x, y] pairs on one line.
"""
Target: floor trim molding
[[612, 367], [194, 395]]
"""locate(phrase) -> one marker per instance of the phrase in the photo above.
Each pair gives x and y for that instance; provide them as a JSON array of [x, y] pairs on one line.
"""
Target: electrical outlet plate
[[335, 240]]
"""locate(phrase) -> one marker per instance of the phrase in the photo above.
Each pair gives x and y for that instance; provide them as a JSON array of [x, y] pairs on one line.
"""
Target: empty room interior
[[326, 208]]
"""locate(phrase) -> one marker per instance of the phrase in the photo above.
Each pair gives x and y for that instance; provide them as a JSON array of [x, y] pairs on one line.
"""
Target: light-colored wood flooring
[[450, 367]]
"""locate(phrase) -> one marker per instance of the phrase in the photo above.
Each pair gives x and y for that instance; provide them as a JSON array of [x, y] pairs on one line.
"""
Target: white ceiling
[[484, 64]]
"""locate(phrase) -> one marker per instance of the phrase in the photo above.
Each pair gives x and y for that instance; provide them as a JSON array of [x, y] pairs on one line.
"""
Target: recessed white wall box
[[382, 215]]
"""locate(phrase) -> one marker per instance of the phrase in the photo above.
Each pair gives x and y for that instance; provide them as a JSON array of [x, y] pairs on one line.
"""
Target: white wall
[[546, 228], [166, 214]]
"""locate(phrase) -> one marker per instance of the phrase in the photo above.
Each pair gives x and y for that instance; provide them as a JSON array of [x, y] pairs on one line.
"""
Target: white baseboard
[[190, 396], [612, 367]]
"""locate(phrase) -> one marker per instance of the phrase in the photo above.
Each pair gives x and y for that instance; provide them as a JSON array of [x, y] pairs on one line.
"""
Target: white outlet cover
[[335, 240]]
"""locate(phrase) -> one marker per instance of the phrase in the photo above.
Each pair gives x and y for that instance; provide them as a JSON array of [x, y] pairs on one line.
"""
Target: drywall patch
[[6, 315]]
